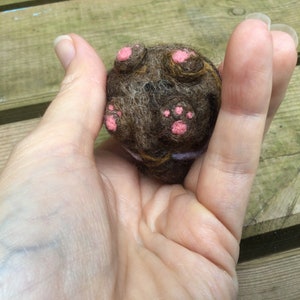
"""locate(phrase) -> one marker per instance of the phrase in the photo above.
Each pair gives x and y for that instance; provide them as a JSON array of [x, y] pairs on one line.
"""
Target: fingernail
[[260, 16], [287, 29], [64, 49]]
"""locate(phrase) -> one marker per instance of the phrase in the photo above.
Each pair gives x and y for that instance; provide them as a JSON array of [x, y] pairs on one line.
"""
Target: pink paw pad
[[178, 110], [111, 107], [181, 56], [189, 115], [179, 127], [124, 54], [166, 113], [111, 123]]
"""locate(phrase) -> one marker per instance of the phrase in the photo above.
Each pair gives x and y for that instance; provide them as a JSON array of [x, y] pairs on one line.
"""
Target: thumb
[[65, 51], [77, 111]]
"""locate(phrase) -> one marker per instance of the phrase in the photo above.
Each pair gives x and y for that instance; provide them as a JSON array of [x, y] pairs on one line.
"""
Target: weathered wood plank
[[275, 277], [15, 4], [275, 197], [270, 242], [6, 2], [27, 35], [30, 75]]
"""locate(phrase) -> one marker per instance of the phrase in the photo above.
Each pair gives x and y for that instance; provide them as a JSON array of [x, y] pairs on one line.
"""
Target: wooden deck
[[30, 74]]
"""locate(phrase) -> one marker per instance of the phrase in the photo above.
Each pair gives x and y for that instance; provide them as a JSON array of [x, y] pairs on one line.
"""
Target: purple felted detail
[[177, 156], [186, 155]]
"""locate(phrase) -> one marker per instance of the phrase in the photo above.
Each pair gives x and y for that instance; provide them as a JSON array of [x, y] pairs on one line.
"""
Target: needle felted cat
[[162, 105]]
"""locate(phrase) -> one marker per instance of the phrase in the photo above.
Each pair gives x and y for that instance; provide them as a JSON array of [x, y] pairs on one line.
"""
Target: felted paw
[[185, 64], [130, 58], [162, 104], [177, 120], [112, 117]]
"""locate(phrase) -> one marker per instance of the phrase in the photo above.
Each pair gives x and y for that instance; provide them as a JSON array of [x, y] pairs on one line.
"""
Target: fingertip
[[288, 30], [253, 30], [250, 35], [86, 55], [284, 42], [247, 64], [260, 16], [65, 50], [284, 62], [81, 99]]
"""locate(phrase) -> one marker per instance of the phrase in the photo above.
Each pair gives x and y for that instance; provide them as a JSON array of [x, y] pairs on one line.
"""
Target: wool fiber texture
[[162, 105]]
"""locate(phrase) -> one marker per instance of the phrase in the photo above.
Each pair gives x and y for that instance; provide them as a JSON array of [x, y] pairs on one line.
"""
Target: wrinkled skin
[[75, 224]]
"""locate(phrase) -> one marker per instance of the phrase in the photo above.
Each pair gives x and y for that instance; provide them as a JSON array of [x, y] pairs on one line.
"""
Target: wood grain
[[275, 197], [17, 4], [275, 277], [30, 75], [6, 2]]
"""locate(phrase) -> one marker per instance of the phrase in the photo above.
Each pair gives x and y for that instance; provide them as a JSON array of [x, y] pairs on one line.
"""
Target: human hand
[[75, 224]]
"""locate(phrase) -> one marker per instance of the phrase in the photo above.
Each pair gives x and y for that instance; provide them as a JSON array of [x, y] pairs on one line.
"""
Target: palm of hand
[[112, 232], [166, 237]]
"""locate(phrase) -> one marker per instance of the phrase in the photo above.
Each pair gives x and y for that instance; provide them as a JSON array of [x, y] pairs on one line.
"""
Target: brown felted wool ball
[[162, 105]]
